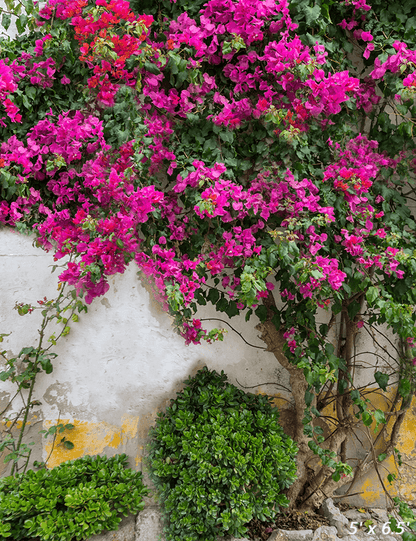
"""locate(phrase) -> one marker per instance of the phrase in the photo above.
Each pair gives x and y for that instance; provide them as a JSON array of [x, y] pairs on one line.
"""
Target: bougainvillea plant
[[257, 155]]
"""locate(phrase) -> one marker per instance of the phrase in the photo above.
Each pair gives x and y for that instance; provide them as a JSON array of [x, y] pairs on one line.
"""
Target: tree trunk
[[275, 341]]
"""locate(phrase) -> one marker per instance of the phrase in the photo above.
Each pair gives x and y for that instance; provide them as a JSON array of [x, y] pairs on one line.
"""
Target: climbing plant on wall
[[239, 152]]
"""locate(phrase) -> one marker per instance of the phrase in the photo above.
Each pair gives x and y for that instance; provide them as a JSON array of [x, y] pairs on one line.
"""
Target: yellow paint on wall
[[139, 456], [370, 486], [370, 493], [407, 435], [280, 403], [8, 424], [130, 425], [88, 438]]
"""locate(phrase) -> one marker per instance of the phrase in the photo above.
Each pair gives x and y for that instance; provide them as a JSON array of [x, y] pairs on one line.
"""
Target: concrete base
[[126, 532], [149, 525]]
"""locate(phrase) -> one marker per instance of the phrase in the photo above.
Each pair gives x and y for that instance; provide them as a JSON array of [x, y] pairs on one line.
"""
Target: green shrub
[[73, 501], [219, 458]]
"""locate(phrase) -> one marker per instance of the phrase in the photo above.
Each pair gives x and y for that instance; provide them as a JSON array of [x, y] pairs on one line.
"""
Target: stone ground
[[260, 531], [340, 523]]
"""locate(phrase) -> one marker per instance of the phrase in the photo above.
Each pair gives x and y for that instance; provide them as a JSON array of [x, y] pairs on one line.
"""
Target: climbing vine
[[22, 371]]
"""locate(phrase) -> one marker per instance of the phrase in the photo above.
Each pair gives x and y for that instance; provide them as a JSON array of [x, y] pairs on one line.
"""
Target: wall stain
[[89, 438], [105, 302]]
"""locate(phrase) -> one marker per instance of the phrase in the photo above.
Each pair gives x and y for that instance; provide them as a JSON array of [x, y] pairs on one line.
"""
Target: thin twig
[[386, 337], [232, 328], [260, 384], [8, 405]]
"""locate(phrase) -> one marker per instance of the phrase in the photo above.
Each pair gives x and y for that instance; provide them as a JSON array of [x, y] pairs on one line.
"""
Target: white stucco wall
[[122, 361]]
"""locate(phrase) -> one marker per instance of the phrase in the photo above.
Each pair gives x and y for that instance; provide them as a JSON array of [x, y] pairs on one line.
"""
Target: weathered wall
[[122, 363]]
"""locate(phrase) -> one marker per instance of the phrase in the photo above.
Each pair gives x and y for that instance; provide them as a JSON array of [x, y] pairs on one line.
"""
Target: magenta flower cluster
[[103, 197]]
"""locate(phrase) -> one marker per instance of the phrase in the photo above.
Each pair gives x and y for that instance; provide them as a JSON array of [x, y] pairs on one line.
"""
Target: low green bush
[[219, 458], [73, 501]]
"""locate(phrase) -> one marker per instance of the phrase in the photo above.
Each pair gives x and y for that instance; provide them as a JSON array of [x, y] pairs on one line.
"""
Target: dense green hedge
[[73, 501], [219, 458]]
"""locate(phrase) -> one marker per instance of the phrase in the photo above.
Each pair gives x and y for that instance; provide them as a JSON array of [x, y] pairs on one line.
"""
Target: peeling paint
[[370, 493], [8, 424], [407, 436], [130, 425], [105, 302], [89, 438], [139, 456]]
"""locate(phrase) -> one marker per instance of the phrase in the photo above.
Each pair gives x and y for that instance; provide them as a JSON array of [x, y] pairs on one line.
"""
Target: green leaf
[[379, 417], [181, 77], [5, 375], [213, 296], [311, 14], [6, 20], [336, 476], [309, 397], [353, 309], [21, 23], [68, 444], [30, 91], [342, 385], [372, 294], [382, 457], [367, 418], [325, 12], [26, 102], [232, 309], [346, 288], [152, 68], [261, 313], [46, 364], [382, 380], [222, 305], [404, 388], [336, 307], [323, 329], [227, 136], [390, 478], [26, 351]]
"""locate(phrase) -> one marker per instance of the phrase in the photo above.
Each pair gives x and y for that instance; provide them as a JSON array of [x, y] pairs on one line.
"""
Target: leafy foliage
[[73, 501], [219, 458], [22, 371]]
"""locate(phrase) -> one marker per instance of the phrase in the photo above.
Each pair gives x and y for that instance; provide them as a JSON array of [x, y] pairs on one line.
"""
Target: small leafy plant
[[409, 519], [59, 428], [73, 501], [219, 458], [17, 452]]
